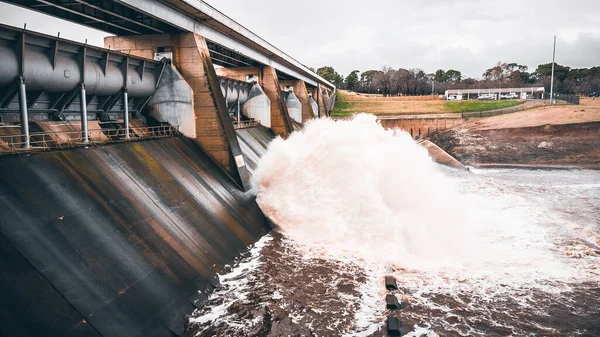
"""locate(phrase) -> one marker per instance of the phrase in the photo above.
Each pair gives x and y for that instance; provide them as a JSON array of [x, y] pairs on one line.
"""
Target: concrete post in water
[[23, 112], [126, 113], [84, 121]]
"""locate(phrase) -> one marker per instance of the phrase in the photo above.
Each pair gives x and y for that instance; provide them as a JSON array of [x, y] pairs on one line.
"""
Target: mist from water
[[353, 189]]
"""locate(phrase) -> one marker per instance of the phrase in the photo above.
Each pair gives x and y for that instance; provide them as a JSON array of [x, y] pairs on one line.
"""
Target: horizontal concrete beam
[[238, 38]]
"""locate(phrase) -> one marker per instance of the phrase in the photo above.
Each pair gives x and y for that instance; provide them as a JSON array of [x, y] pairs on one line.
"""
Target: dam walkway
[[58, 140]]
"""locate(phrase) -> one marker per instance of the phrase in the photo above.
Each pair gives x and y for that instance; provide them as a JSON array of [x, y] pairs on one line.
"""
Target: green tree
[[439, 75], [352, 80], [331, 75], [545, 71], [452, 76], [366, 81]]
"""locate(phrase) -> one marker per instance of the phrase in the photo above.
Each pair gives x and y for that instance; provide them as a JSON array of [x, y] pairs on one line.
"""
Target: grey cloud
[[468, 35]]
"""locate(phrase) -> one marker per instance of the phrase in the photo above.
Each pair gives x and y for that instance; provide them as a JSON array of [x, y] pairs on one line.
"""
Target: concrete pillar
[[281, 122], [319, 98], [301, 93], [326, 98], [213, 127], [314, 105]]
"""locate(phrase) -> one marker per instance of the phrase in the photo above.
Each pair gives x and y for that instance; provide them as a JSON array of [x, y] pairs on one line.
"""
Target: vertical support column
[[238, 105], [326, 99], [24, 115], [302, 93], [83, 98], [84, 121], [126, 112], [214, 128], [126, 99], [321, 102], [281, 122]]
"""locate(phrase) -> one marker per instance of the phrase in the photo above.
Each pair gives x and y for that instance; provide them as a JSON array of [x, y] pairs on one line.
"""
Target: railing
[[245, 124], [45, 141], [573, 99], [525, 106]]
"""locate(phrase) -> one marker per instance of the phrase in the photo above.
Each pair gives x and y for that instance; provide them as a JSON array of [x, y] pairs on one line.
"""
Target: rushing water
[[479, 253]]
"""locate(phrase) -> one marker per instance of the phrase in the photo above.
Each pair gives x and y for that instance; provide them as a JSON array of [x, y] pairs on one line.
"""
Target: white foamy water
[[357, 190], [487, 252]]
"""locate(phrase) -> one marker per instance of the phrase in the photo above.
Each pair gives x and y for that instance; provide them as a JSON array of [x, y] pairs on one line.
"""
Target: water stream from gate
[[480, 252]]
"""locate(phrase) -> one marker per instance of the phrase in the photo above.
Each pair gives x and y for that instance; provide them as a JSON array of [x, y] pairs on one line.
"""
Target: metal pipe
[[238, 104], [552, 77], [126, 113], [23, 111], [84, 121]]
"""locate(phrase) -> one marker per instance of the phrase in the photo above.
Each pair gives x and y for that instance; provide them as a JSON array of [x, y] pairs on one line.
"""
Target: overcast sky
[[467, 35]]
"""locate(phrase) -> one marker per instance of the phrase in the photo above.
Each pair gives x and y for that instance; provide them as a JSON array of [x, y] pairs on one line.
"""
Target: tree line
[[391, 82]]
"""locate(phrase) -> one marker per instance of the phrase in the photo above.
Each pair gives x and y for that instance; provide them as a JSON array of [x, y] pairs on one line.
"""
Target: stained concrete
[[116, 240]]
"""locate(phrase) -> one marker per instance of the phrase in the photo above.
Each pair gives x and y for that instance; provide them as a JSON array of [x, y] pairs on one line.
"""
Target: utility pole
[[552, 77], [432, 87]]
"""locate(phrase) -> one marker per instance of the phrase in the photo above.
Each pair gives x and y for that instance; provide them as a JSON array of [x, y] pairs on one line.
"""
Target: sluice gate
[[45, 78]]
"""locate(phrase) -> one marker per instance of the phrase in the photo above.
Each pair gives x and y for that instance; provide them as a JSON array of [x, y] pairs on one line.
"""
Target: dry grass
[[587, 111], [350, 102], [357, 97]]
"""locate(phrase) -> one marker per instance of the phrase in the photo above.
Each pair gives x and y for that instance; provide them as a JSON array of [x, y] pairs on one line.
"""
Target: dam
[[184, 179], [126, 169]]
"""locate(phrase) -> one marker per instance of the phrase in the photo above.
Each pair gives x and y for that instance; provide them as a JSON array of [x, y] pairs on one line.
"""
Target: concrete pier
[[281, 122], [214, 131]]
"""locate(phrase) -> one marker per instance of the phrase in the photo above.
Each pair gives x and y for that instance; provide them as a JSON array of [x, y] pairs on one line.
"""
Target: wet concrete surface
[[116, 240]]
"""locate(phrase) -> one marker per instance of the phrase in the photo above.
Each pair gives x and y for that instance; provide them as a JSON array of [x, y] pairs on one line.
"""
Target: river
[[492, 252]]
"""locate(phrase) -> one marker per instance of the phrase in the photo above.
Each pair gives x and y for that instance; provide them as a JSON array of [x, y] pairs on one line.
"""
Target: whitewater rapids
[[487, 252]]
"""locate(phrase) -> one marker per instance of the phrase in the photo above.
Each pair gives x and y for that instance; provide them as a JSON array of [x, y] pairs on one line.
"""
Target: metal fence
[[45, 141], [569, 98], [525, 106]]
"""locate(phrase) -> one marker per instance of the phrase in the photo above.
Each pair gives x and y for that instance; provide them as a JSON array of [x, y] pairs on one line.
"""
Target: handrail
[[45, 141]]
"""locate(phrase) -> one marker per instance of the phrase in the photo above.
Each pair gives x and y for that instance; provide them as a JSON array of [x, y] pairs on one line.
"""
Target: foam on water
[[355, 189]]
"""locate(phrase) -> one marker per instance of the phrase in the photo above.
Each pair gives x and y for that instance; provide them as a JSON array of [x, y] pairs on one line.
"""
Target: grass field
[[349, 103], [476, 106]]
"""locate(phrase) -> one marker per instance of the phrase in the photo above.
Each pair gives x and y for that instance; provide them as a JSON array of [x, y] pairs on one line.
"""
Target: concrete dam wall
[[120, 240]]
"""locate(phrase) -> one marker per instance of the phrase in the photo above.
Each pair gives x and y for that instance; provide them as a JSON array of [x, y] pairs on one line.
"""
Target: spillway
[[254, 142], [120, 240]]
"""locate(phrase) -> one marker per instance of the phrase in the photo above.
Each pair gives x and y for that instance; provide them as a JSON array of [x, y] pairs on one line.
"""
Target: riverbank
[[560, 136]]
